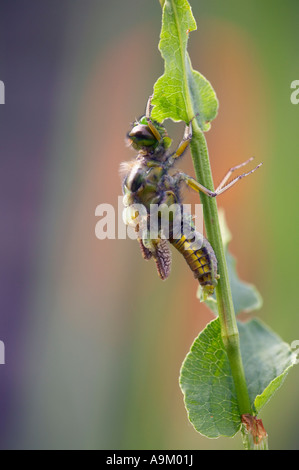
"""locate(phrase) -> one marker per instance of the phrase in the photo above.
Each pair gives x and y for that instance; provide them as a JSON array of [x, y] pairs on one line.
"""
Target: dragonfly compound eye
[[141, 136]]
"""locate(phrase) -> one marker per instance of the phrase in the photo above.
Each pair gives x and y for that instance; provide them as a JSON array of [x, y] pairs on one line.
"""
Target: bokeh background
[[94, 340]]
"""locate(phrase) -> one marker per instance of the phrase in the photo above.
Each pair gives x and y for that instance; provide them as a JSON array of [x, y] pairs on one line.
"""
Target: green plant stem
[[229, 329]]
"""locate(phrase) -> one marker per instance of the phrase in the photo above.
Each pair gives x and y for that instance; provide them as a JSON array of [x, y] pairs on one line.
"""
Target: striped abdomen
[[202, 261]]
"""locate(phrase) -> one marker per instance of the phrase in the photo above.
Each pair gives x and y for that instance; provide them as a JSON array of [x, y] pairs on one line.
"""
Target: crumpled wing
[[146, 253], [162, 257]]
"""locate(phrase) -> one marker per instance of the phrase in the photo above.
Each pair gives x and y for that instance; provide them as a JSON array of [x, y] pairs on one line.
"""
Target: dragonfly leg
[[150, 124], [224, 187], [193, 184], [187, 137], [196, 186], [184, 142]]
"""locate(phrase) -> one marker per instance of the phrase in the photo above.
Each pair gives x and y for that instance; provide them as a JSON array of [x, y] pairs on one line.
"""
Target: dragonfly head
[[141, 137]]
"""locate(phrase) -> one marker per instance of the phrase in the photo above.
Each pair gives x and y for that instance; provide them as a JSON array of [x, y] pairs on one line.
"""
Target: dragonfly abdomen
[[202, 261]]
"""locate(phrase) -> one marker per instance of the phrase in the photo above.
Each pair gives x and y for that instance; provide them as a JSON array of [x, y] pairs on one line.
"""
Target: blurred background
[[94, 340]]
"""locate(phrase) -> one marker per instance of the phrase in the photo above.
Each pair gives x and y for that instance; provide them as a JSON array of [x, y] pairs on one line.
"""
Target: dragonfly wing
[[146, 253], [162, 256]]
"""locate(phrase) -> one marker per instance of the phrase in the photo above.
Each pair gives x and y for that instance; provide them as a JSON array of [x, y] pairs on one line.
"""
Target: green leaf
[[180, 93], [208, 385], [246, 297], [266, 358]]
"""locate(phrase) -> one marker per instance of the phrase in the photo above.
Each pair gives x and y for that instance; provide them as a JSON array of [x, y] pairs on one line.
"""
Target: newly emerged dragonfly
[[147, 182]]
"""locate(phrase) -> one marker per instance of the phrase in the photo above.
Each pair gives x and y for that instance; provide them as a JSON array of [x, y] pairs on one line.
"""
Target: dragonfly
[[148, 181]]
